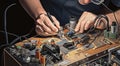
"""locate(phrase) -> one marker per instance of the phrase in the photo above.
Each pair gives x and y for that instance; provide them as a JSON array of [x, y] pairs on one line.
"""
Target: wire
[[15, 40], [24, 36], [113, 15], [12, 34], [97, 19], [3, 45], [5, 22], [110, 11], [94, 38]]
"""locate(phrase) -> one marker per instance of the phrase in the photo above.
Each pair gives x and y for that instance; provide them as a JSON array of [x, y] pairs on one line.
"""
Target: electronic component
[[72, 24], [115, 60], [61, 33], [114, 30], [69, 45], [52, 51], [79, 50], [112, 34], [83, 40], [29, 46]]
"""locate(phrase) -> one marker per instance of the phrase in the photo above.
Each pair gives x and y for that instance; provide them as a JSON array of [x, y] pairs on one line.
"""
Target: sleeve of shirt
[[116, 2]]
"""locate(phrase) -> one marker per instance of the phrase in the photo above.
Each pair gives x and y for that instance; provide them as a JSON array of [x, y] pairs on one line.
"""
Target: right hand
[[44, 26]]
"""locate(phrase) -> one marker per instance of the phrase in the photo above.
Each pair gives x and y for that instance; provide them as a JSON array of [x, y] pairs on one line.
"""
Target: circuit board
[[68, 52]]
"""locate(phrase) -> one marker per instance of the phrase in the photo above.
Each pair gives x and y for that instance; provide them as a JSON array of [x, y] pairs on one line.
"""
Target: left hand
[[85, 22]]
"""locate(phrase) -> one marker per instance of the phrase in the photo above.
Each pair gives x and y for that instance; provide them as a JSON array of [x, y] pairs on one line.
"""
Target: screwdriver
[[60, 30]]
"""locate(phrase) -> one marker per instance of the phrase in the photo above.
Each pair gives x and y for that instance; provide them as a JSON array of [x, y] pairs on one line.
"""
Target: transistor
[[69, 45]]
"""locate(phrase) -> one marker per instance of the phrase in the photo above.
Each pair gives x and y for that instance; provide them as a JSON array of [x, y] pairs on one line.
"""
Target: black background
[[18, 21]]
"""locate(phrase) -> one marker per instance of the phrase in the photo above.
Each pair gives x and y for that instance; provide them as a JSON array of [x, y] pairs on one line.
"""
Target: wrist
[[40, 16], [101, 22], [39, 12]]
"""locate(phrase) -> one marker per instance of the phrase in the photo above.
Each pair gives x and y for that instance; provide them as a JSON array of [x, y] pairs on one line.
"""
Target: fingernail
[[57, 30], [76, 30]]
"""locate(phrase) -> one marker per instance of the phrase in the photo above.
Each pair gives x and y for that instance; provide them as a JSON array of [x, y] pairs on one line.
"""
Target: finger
[[77, 28], [39, 28], [101, 24], [44, 27], [50, 25], [48, 34], [82, 26], [88, 24], [56, 22]]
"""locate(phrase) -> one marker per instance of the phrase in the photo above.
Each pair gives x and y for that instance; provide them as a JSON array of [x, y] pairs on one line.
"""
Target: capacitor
[[114, 27], [72, 22], [40, 57], [114, 31], [37, 54]]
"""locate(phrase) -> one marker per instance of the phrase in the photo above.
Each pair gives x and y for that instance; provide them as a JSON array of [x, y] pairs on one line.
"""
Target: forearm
[[33, 7], [111, 16]]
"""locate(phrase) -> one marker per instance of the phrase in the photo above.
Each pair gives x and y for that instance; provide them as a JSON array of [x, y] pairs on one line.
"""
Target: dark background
[[18, 21]]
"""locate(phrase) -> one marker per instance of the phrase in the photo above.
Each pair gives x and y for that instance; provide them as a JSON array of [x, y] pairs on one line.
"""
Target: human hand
[[87, 20], [45, 27]]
